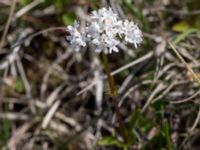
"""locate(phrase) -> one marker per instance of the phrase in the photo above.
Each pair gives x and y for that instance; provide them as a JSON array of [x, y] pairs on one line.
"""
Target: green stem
[[113, 93], [166, 130]]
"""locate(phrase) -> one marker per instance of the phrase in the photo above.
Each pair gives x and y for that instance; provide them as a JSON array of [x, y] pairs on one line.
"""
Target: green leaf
[[4, 136], [25, 2], [19, 86], [130, 130], [68, 18], [181, 26], [111, 140], [60, 3], [183, 35], [156, 143], [167, 136], [134, 118]]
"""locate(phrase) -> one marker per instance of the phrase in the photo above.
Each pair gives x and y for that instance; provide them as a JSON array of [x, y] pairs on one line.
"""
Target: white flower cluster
[[105, 32], [76, 38]]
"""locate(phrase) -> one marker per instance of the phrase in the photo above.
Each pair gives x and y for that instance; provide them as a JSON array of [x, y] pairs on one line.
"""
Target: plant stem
[[113, 93], [167, 135]]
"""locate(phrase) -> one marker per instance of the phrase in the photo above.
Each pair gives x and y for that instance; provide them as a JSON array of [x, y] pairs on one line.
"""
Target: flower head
[[105, 32], [76, 38], [102, 30]]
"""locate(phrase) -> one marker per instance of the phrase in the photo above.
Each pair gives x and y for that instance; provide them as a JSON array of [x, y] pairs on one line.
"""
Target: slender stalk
[[113, 93], [166, 129], [109, 76]]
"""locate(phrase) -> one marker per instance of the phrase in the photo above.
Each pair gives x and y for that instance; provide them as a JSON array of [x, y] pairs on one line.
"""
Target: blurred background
[[53, 98]]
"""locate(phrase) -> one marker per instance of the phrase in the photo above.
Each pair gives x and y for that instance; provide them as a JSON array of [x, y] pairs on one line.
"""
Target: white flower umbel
[[105, 32], [102, 30]]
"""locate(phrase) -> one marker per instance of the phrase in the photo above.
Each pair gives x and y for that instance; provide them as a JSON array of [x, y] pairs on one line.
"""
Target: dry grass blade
[[133, 63], [50, 70], [186, 99], [159, 88], [53, 96], [50, 114], [27, 8], [23, 76], [14, 116], [13, 5], [196, 122], [10, 58], [194, 75], [18, 134], [99, 89], [68, 120]]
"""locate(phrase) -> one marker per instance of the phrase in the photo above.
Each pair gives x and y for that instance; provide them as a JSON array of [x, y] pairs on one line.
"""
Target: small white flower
[[93, 30], [132, 33], [76, 38], [106, 44], [104, 16], [102, 21], [105, 31], [111, 44]]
